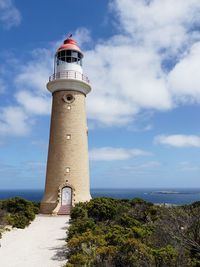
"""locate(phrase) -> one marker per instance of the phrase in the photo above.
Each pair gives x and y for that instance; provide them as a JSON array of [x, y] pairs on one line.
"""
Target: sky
[[143, 61]]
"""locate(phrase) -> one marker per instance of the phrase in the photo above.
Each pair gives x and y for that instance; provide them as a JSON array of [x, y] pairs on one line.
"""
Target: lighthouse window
[[74, 54], [68, 136], [74, 59], [69, 56], [68, 98], [67, 169], [68, 52], [68, 60], [62, 53]]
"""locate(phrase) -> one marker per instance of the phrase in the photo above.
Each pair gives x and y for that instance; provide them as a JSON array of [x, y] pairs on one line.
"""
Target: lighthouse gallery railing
[[69, 74]]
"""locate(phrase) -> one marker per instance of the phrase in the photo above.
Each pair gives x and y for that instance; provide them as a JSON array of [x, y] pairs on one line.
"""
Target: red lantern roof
[[69, 44]]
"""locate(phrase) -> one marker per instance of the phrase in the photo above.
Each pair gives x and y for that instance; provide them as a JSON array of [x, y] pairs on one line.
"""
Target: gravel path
[[42, 244]]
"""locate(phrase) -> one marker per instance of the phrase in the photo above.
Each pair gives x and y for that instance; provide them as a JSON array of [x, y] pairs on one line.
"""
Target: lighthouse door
[[66, 201], [66, 196]]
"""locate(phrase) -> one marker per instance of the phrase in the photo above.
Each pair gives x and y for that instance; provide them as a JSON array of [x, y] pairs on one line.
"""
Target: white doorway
[[66, 199]]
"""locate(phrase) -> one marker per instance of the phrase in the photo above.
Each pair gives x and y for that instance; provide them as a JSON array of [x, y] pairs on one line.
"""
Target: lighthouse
[[67, 174]]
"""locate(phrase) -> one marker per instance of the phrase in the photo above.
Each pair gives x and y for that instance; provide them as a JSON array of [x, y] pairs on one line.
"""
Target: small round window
[[68, 98]]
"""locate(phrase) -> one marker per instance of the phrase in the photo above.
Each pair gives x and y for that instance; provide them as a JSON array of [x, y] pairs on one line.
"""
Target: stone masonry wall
[[67, 158]]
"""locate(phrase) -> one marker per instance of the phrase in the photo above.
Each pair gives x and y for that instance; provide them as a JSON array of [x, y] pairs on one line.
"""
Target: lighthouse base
[[64, 210], [47, 207]]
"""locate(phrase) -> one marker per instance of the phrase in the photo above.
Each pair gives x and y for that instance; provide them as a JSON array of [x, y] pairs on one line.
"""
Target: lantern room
[[68, 57]]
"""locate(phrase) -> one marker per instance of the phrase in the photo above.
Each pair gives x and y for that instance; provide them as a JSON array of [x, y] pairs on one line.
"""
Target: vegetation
[[17, 212], [108, 232]]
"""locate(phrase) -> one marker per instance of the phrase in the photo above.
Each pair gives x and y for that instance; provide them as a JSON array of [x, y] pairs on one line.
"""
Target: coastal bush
[[81, 226], [101, 209], [165, 256], [80, 212], [134, 253], [109, 232], [128, 221], [18, 212], [18, 220], [2, 216]]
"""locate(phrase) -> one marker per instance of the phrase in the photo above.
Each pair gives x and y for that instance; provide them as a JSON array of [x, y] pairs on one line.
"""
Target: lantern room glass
[[68, 56]]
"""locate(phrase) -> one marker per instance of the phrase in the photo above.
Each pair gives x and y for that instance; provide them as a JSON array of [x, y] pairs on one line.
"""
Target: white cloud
[[157, 23], [178, 140], [151, 63], [9, 14], [82, 36], [34, 74], [130, 71], [125, 80], [184, 81], [14, 121], [33, 99], [33, 104], [112, 154]]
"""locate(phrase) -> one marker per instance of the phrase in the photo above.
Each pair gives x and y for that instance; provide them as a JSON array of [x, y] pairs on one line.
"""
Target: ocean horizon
[[155, 195]]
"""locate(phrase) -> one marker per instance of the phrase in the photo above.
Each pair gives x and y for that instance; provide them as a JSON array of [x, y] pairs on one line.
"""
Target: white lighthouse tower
[[67, 176]]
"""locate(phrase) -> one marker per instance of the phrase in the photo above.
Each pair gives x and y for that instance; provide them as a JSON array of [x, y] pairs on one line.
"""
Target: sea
[[177, 196]]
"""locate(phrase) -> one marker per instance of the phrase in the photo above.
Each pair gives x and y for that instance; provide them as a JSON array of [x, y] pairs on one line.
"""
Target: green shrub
[[79, 212], [79, 259], [133, 253], [107, 232], [165, 256], [140, 232], [18, 220], [116, 235], [81, 226], [128, 221], [17, 204], [102, 209], [139, 201], [18, 211]]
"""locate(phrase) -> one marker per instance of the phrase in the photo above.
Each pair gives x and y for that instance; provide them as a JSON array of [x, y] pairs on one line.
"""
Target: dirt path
[[42, 244]]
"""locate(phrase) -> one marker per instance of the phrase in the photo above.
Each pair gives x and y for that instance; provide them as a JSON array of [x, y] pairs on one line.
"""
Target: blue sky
[[143, 60]]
